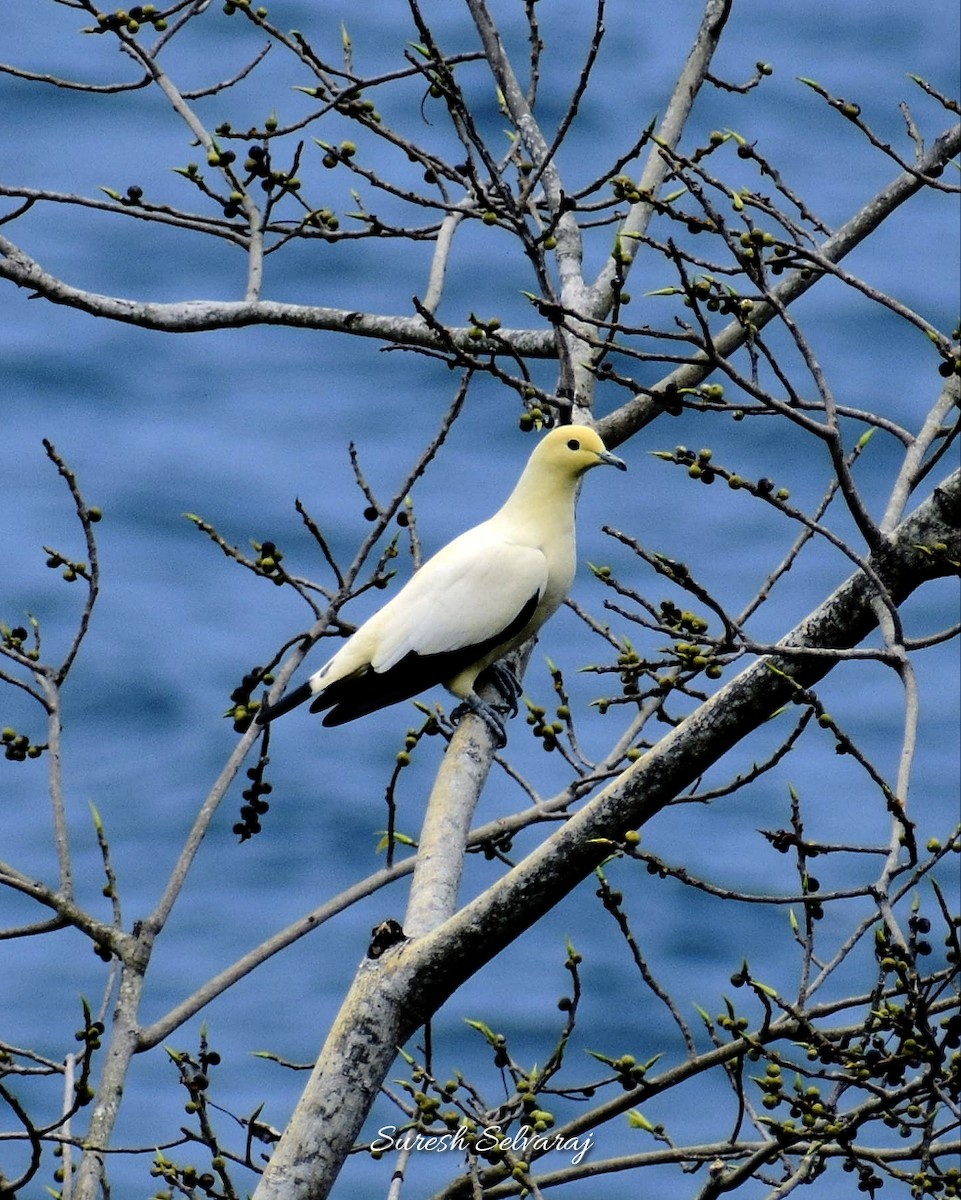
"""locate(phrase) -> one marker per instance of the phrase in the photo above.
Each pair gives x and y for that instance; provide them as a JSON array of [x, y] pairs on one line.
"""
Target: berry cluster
[[17, 746], [430, 728], [244, 705], [15, 640], [254, 806], [71, 570], [268, 562], [129, 20], [547, 731]]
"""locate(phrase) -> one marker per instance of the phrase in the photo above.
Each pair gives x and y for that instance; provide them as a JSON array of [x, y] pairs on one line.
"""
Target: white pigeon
[[480, 597]]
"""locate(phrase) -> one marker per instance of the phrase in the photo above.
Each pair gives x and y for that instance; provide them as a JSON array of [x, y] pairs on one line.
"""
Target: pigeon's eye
[[573, 444]]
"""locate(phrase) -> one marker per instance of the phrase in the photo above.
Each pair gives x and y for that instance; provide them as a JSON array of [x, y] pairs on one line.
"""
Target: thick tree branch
[[196, 316]]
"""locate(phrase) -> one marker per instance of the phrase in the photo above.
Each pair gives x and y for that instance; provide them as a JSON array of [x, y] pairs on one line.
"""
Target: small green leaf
[[637, 1120], [481, 1028]]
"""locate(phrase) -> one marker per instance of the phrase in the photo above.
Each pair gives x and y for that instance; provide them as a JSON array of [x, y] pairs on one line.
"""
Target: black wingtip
[[284, 704]]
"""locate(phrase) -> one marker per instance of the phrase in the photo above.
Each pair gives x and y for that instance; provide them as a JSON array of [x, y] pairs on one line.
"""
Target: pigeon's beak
[[612, 460]]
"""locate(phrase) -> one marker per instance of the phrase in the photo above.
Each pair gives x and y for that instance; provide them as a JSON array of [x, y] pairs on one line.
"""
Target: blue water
[[235, 425]]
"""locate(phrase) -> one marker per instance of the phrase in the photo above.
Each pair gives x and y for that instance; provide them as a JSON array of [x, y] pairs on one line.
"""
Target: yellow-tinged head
[[549, 482], [570, 450]]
